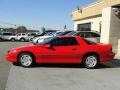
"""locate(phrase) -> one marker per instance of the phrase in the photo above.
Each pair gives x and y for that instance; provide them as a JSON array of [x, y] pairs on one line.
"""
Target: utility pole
[[65, 27]]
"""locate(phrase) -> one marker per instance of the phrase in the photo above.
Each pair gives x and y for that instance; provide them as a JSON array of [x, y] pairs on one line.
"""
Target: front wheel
[[12, 39], [26, 60], [90, 61]]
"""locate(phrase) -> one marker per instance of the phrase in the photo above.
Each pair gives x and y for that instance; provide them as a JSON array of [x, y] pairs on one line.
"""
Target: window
[[95, 35], [18, 34], [84, 27], [91, 35], [64, 42], [58, 33], [66, 32], [32, 34], [82, 34], [88, 35], [89, 42], [23, 34], [71, 33], [7, 34]]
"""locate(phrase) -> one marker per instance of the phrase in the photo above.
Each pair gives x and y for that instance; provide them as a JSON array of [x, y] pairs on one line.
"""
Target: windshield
[[58, 33], [89, 42], [46, 40], [70, 34]]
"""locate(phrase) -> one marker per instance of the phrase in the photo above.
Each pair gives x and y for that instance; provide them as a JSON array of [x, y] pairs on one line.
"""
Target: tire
[[12, 39], [1, 39], [16, 63], [26, 59], [90, 61], [22, 39]]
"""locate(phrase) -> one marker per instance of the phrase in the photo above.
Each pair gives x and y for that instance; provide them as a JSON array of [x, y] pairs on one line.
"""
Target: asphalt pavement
[[57, 77], [4, 65]]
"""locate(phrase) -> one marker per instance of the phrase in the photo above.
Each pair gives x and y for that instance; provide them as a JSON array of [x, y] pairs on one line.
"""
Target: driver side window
[[64, 42]]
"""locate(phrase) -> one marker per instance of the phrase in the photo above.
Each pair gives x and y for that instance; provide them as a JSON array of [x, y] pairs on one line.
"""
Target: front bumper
[[11, 57]]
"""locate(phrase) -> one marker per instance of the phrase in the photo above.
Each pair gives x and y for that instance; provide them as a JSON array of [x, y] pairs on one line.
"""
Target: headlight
[[12, 51]]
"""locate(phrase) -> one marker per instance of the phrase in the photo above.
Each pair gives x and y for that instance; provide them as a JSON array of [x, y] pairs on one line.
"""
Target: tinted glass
[[23, 34], [66, 32], [95, 35], [71, 33], [58, 33], [89, 42], [82, 34], [91, 35], [7, 33], [88, 35], [64, 42], [84, 27], [32, 34]]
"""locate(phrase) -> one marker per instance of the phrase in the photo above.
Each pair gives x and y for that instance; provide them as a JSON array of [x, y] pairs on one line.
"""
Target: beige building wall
[[95, 23], [93, 9], [110, 32], [114, 30], [105, 31]]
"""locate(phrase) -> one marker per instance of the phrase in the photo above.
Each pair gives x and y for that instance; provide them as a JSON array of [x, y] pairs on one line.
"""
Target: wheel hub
[[26, 60]]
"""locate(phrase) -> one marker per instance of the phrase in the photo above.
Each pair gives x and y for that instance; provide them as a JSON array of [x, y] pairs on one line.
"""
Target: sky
[[35, 14]]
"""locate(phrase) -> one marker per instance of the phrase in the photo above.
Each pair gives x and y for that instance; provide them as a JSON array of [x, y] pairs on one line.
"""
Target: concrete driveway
[[65, 77], [5, 66]]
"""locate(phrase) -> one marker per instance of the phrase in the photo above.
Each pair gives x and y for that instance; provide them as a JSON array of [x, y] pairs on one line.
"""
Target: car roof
[[6, 32], [88, 31], [69, 36]]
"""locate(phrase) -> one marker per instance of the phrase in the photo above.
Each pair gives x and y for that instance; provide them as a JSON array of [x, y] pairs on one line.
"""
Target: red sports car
[[62, 50]]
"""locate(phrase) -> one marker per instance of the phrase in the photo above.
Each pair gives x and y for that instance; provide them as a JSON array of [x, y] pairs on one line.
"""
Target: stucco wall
[[114, 30], [105, 31], [110, 32], [93, 9], [95, 23]]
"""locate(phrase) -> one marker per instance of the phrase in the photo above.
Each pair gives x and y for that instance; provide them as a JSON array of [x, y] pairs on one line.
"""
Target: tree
[[21, 29], [43, 29]]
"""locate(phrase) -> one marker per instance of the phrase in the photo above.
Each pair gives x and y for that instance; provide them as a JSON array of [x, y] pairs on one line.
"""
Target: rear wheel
[[22, 39], [12, 39], [0, 39], [90, 61], [26, 59]]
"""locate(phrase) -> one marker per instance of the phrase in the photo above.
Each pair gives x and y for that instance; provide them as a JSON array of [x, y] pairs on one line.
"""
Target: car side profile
[[62, 50], [5, 36]]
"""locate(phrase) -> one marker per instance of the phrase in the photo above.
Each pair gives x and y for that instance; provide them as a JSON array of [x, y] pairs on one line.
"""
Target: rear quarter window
[[89, 42]]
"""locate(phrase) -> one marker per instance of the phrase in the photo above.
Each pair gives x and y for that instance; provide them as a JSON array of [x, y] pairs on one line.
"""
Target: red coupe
[[62, 50]]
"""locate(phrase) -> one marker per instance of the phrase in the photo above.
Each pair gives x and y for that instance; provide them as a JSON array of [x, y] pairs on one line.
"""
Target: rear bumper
[[108, 57]]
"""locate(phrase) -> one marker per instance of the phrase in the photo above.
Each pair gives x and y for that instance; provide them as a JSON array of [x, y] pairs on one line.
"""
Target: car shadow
[[58, 65], [113, 64]]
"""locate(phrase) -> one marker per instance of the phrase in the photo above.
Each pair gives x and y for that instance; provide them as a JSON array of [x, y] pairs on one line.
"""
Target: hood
[[24, 47]]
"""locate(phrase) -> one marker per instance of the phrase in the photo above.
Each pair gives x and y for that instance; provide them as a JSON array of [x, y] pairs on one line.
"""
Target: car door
[[63, 50], [6, 36]]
